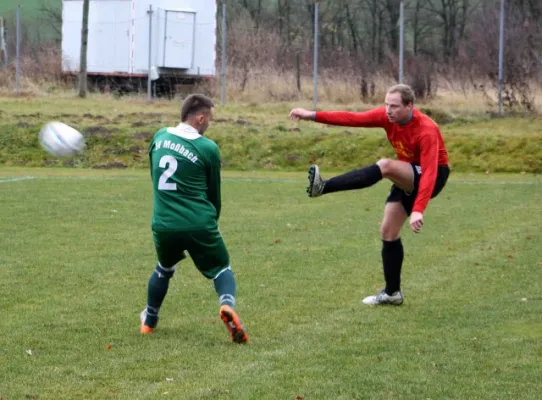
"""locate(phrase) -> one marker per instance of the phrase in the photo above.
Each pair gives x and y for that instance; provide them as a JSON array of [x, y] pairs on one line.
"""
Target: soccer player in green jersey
[[185, 171]]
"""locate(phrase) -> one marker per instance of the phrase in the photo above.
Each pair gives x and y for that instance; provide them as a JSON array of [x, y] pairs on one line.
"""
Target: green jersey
[[185, 171]]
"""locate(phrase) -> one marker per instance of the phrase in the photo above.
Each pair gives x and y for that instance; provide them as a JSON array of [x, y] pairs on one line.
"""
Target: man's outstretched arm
[[375, 118]]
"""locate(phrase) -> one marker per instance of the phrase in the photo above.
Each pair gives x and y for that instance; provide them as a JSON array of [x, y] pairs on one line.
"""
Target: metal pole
[[315, 72], [6, 54], [6, 46], [18, 50], [3, 46], [223, 68], [401, 40], [501, 55], [149, 80]]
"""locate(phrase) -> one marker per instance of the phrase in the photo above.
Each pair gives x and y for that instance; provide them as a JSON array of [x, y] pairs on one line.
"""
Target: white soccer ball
[[61, 140]]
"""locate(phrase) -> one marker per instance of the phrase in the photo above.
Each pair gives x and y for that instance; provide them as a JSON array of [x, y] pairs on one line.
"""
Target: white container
[[183, 37]]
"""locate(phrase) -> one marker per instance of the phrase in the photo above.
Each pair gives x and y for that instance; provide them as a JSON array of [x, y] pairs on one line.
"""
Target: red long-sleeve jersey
[[418, 141]]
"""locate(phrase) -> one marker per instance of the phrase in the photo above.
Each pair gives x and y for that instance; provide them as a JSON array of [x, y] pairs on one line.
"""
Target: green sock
[[225, 287], [158, 286]]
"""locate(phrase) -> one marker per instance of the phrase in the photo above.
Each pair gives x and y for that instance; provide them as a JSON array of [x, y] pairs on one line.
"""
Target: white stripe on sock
[[152, 311], [167, 269], [227, 298], [221, 271]]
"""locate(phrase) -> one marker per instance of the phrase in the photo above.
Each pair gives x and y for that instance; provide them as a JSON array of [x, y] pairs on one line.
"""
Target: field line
[[496, 182], [7, 179]]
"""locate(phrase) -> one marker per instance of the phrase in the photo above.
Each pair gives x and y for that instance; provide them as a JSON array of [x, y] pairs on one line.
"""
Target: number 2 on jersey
[[171, 164]]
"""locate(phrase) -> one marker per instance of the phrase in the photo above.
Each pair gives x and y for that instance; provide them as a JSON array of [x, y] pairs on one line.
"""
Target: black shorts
[[407, 199]]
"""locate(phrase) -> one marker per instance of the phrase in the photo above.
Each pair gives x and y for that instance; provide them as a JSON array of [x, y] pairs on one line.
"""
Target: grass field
[[76, 253], [29, 8]]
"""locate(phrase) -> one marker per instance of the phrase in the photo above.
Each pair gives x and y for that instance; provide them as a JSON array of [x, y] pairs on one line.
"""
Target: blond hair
[[406, 92]]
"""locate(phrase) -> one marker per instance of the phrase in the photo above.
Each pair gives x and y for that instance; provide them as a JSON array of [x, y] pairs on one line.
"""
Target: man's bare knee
[[385, 166], [389, 233], [391, 168], [399, 172]]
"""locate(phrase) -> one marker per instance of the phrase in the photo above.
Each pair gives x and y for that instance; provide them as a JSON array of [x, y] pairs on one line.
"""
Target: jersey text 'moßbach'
[[185, 171]]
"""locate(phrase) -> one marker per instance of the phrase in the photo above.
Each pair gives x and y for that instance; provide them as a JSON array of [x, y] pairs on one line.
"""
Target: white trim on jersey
[[184, 131]]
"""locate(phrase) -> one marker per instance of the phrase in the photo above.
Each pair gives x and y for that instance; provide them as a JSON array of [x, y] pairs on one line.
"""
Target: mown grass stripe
[[8, 179], [5, 179]]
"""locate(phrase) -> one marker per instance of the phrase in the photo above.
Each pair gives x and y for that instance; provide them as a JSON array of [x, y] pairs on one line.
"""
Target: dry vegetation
[[42, 76], [451, 54]]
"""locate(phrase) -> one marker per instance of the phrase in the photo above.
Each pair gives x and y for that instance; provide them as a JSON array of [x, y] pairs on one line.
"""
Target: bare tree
[[352, 28], [83, 89], [392, 6], [443, 38], [375, 12], [255, 10], [283, 9], [421, 28], [452, 17]]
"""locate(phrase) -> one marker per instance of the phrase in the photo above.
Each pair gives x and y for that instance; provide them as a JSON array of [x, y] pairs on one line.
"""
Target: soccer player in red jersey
[[419, 173]]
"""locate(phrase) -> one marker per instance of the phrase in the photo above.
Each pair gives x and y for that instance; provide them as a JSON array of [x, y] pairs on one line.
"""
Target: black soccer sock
[[356, 179], [225, 287], [158, 286], [392, 259]]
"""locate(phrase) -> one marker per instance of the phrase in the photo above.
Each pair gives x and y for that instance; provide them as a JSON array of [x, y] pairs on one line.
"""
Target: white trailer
[[181, 34]]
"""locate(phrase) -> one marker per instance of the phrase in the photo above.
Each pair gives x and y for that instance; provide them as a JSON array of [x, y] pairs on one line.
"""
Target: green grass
[[76, 252], [254, 136], [29, 8], [36, 26]]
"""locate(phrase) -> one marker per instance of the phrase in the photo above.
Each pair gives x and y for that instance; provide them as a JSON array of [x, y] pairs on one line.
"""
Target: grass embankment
[[255, 136]]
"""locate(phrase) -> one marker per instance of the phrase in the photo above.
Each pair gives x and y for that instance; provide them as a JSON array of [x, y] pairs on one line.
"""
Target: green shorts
[[206, 248]]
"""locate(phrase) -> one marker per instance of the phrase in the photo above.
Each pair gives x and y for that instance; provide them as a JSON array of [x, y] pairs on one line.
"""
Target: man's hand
[[298, 114], [416, 221]]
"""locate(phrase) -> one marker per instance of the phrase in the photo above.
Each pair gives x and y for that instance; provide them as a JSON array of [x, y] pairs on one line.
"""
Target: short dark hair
[[406, 92], [194, 104]]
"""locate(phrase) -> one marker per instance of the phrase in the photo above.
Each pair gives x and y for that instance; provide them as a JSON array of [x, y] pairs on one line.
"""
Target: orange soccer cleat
[[234, 324], [145, 329]]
